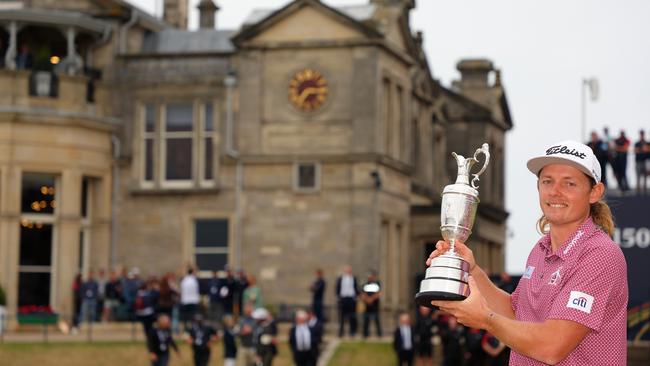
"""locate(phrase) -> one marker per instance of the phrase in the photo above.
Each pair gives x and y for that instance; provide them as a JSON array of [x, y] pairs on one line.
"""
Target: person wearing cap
[[570, 306], [265, 337]]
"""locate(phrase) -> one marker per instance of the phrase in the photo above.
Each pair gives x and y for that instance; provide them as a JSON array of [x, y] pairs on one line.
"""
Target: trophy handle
[[485, 150]]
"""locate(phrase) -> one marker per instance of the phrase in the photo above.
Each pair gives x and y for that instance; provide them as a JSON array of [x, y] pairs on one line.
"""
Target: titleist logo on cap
[[561, 149]]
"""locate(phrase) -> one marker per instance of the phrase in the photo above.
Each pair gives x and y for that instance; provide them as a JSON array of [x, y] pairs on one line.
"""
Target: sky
[[545, 50]]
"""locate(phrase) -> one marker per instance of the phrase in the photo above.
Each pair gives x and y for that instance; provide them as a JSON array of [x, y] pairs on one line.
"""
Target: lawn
[[128, 354], [103, 354], [361, 353]]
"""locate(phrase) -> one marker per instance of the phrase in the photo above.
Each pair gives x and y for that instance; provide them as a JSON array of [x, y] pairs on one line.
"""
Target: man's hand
[[153, 357], [462, 250], [472, 312]]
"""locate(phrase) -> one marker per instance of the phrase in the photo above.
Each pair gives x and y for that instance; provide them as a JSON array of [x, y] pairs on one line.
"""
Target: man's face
[[565, 194]]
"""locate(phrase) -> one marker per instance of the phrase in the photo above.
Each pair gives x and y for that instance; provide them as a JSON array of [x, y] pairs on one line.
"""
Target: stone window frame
[[159, 136], [46, 219], [317, 177], [189, 236]]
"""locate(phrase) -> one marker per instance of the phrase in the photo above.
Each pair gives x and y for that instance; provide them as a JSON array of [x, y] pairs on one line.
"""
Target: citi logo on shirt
[[580, 301]]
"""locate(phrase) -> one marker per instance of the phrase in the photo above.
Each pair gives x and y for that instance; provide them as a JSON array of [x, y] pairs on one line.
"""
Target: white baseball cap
[[260, 314], [571, 153]]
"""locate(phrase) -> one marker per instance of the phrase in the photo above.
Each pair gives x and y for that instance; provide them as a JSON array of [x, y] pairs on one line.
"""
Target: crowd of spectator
[[613, 152], [229, 306]]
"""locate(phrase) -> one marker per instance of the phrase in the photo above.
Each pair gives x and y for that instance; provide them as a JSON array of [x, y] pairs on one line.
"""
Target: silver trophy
[[448, 276]]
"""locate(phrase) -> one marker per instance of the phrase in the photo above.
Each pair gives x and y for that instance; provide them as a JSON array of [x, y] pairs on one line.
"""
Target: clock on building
[[308, 90]]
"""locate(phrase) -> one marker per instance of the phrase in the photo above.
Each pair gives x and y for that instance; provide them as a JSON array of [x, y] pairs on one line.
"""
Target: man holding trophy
[[570, 307]]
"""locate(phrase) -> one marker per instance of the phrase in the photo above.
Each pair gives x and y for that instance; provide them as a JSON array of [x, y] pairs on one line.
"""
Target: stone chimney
[[207, 12], [175, 13], [474, 73]]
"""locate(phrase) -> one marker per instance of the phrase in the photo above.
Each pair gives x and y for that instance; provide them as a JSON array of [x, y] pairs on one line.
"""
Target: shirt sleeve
[[596, 278]]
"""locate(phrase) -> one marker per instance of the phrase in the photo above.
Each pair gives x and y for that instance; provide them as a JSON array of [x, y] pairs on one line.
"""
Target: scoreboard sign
[[632, 219]]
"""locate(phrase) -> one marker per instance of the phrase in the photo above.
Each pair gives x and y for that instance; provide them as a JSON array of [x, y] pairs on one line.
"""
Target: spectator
[[506, 283], [241, 283], [424, 336], [474, 353], [89, 293], [201, 337], [641, 158], [497, 352], [303, 341], [190, 297], [265, 337], [452, 340], [112, 294], [318, 290], [404, 340], [346, 292], [622, 144], [24, 59], [145, 306], [601, 150], [76, 294], [370, 296], [317, 331], [167, 298], [159, 341], [253, 293], [101, 293], [245, 330], [130, 285], [222, 288], [229, 341]]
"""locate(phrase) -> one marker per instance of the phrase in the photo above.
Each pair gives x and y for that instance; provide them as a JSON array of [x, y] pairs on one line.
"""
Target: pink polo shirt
[[584, 281]]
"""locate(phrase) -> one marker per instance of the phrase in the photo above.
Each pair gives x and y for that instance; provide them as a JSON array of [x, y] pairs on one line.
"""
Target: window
[[178, 142], [307, 176], [211, 244], [177, 145], [38, 206]]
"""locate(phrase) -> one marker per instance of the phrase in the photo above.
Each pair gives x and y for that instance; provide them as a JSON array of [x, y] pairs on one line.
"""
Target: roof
[[260, 20], [359, 13], [171, 41]]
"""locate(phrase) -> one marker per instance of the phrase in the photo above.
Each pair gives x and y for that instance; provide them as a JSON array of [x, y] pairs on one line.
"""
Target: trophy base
[[425, 298], [447, 280]]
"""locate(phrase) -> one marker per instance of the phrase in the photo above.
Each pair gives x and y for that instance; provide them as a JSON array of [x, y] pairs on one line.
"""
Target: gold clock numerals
[[308, 90]]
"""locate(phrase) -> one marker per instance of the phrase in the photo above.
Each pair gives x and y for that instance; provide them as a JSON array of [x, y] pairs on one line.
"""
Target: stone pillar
[[72, 62], [10, 185], [66, 262], [10, 55], [100, 229]]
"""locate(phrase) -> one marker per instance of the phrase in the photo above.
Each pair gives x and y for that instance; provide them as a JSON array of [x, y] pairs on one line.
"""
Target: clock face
[[308, 90]]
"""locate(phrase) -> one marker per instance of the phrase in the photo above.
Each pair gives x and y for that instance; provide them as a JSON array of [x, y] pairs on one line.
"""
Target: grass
[[104, 354], [361, 353], [127, 354]]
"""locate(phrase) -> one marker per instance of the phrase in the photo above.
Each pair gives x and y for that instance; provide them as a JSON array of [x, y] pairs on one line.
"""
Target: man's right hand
[[461, 249], [153, 357]]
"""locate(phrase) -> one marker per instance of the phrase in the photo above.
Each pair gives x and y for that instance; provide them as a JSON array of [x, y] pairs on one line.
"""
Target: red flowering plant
[[37, 314]]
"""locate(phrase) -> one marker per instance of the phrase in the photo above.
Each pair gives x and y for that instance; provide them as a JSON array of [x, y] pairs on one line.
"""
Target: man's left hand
[[472, 312]]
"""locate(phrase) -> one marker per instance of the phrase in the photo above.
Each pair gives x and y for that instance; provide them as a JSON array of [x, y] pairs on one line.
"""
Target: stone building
[[312, 136]]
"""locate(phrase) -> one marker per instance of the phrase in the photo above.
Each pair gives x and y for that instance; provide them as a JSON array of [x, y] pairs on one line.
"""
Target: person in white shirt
[[403, 340], [190, 297], [303, 341], [347, 291]]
